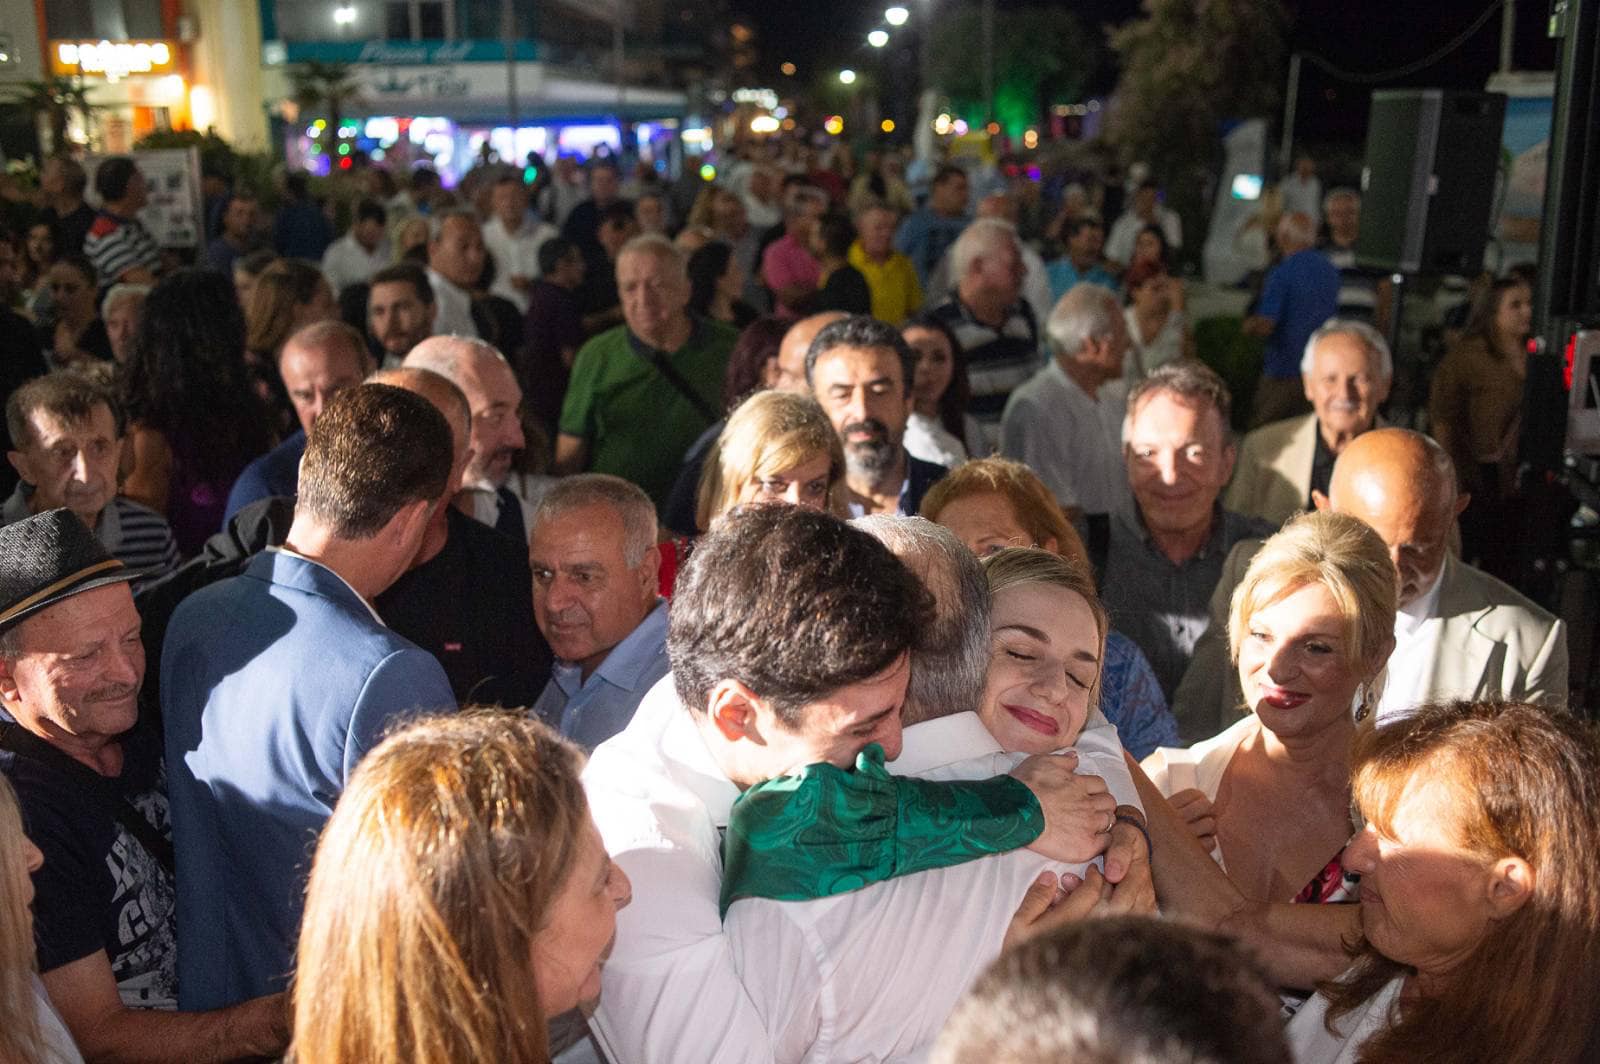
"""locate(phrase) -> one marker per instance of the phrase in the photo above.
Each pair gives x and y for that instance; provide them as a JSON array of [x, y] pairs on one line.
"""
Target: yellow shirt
[[896, 295]]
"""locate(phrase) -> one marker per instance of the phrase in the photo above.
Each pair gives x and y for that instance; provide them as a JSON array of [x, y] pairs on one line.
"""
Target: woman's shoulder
[[1200, 765]]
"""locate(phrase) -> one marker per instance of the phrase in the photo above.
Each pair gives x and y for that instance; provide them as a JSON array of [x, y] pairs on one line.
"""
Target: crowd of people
[[806, 615]]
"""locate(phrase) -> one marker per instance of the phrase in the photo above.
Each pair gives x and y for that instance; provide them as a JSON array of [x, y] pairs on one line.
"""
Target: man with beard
[[860, 370], [487, 380], [400, 310]]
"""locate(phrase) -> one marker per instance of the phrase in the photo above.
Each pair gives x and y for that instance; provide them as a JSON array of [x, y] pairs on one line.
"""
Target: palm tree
[[52, 101], [328, 87]]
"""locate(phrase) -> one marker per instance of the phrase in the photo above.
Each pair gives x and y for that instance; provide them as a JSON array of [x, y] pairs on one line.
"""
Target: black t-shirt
[[99, 889], [471, 607], [846, 290]]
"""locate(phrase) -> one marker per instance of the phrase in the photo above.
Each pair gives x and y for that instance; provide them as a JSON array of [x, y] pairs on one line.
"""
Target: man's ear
[[19, 462], [10, 695], [1320, 500], [1511, 882], [650, 573], [732, 708]]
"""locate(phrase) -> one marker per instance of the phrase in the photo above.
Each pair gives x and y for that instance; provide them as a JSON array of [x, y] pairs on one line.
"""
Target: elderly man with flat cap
[[88, 773], [1459, 632]]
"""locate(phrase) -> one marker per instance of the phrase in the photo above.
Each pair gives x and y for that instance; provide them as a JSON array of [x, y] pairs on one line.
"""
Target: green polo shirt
[[637, 425]]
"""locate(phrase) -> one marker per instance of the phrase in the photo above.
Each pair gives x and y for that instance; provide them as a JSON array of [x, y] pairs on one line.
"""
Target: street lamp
[[878, 38], [847, 77], [344, 14], [896, 16]]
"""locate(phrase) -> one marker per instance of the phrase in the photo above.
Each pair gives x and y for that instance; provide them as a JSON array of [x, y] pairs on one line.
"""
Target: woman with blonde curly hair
[[30, 1030], [1311, 627], [460, 897], [776, 447]]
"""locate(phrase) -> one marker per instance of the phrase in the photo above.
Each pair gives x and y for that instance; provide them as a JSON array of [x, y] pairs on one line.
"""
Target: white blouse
[[1311, 1042]]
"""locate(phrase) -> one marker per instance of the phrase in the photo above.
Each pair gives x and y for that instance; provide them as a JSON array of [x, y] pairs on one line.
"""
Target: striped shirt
[[116, 245], [998, 359], [135, 535]]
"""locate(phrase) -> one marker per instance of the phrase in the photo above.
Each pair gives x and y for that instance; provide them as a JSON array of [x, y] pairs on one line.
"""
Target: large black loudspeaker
[[1428, 182]]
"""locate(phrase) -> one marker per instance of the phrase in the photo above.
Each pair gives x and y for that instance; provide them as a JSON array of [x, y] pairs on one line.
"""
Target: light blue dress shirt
[[591, 711]]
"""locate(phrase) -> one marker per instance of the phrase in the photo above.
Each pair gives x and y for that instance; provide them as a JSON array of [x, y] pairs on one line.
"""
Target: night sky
[[1357, 35]]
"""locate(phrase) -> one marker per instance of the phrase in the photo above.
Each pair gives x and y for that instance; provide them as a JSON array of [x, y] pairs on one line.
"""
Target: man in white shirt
[[360, 253], [1146, 211], [775, 666], [1459, 632], [455, 266], [513, 236], [1066, 420], [829, 975]]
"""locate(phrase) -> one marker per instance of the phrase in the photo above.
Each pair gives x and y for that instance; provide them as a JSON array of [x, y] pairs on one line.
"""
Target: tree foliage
[[51, 100], [1188, 66], [1042, 55], [325, 87]]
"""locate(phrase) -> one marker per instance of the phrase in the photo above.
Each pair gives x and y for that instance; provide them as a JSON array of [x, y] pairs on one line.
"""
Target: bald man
[[467, 597], [1459, 633], [494, 400], [785, 373]]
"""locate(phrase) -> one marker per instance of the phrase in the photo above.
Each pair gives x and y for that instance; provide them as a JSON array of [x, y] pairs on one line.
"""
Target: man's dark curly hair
[[792, 603]]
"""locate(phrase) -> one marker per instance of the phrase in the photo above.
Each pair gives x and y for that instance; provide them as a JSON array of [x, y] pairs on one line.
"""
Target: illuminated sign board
[[111, 59]]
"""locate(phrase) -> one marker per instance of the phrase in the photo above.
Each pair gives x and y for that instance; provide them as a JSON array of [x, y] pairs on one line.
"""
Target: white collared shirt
[[872, 975], [454, 314], [346, 262], [516, 255], [673, 988], [1071, 439], [1416, 644]]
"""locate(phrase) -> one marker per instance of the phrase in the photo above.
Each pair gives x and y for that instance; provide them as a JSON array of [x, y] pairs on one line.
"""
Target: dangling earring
[[1363, 702]]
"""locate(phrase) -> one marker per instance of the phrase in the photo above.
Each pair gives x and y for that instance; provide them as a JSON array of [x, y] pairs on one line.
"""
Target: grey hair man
[[456, 255], [995, 328], [490, 385], [595, 597], [1158, 559], [1066, 421], [1347, 369], [642, 393], [948, 667]]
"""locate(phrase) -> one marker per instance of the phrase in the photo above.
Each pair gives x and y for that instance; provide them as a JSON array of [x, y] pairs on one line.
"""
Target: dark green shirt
[[637, 424]]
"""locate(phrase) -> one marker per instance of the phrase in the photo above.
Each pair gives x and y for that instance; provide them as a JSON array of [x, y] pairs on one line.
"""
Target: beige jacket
[[1272, 478]]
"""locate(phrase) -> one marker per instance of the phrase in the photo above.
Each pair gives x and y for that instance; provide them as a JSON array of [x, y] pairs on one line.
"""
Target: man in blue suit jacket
[[275, 683]]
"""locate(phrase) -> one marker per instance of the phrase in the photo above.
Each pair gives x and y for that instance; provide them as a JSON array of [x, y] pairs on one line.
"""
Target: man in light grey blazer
[[1459, 633]]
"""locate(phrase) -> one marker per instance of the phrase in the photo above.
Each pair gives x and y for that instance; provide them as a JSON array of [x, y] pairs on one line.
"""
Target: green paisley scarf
[[827, 830]]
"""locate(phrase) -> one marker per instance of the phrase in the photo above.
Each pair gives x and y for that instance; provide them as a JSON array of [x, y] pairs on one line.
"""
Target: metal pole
[[619, 56], [1508, 34], [1291, 97], [508, 30], [988, 61]]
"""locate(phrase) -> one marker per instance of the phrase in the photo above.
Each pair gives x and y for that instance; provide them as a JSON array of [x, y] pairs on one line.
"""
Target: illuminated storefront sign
[[111, 59]]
